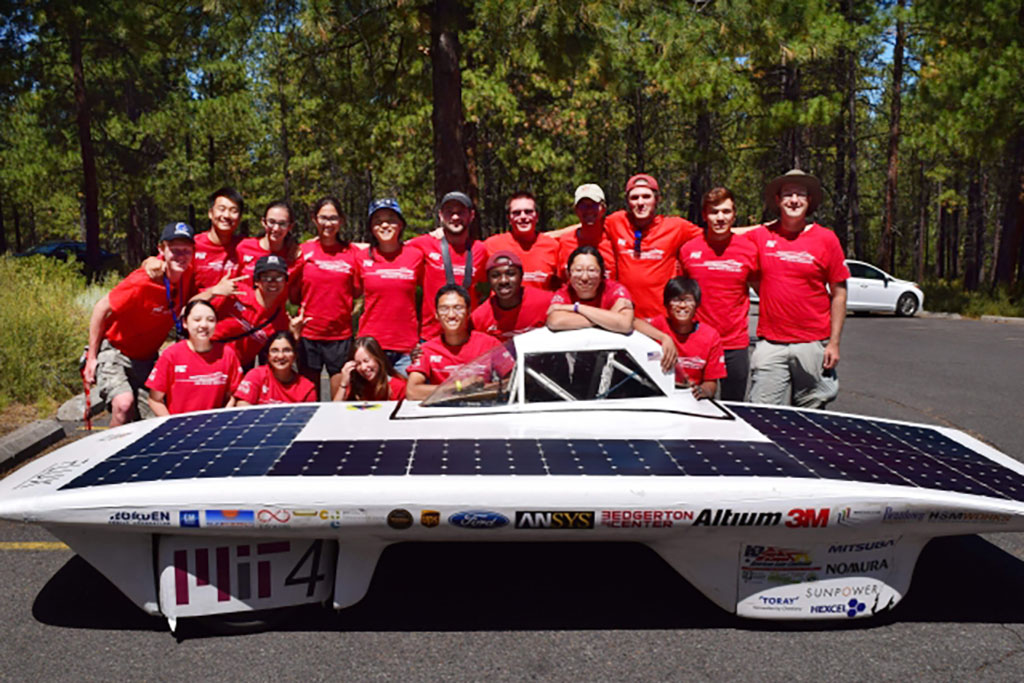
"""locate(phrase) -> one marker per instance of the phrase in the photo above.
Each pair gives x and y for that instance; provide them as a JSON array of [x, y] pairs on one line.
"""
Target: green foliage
[[949, 296], [42, 329]]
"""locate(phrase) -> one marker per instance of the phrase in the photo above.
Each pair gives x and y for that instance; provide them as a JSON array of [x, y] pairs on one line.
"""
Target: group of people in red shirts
[[632, 269]]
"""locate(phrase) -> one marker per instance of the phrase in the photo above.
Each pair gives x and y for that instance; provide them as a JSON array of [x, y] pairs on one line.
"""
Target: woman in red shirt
[[328, 285], [389, 272], [277, 239], [589, 299], [275, 380], [368, 375], [197, 373]]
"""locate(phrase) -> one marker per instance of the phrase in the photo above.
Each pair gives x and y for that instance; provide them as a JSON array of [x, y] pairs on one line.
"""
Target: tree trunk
[[886, 250], [83, 116], [940, 241], [700, 180], [921, 239], [639, 153], [853, 192], [451, 169], [3, 232], [974, 242], [133, 248], [16, 215], [1011, 238], [793, 137]]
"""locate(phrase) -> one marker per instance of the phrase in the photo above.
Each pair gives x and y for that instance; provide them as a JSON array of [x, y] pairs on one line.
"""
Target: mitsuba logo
[[555, 519]]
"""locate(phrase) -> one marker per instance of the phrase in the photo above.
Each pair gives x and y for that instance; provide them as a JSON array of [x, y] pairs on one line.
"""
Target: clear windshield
[[484, 381]]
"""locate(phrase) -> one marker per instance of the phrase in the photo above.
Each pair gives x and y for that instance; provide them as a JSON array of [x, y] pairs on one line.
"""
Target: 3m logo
[[807, 517]]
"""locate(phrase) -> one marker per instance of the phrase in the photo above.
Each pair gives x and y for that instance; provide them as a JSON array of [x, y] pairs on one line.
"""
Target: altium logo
[[720, 517]]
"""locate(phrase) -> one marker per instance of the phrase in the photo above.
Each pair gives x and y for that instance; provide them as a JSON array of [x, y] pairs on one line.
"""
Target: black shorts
[[315, 354]]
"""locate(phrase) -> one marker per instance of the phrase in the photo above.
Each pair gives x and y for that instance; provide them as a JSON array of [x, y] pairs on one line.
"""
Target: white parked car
[[872, 289]]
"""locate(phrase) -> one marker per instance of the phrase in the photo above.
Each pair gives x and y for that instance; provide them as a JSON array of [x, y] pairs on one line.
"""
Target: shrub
[[43, 329], [949, 296]]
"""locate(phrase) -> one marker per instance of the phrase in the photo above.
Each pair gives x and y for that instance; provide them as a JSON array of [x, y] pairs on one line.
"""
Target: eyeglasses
[[277, 277], [585, 270], [275, 224], [638, 235]]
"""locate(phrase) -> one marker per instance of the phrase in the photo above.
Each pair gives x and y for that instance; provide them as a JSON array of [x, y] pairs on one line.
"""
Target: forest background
[[120, 116]]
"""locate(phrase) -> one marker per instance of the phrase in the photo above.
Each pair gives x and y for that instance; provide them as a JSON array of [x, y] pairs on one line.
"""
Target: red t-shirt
[[213, 261], [140, 313], [646, 274], [795, 269], [434, 277], [261, 386], [389, 290], [438, 360], [568, 242], [195, 381], [540, 259], [701, 356], [396, 391], [722, 273], [532, 311], [241, 312], [328, 284], [608, 292]]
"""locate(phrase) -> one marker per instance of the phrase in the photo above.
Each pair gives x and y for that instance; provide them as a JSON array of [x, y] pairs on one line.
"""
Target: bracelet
[[458, 385], [576, 307]]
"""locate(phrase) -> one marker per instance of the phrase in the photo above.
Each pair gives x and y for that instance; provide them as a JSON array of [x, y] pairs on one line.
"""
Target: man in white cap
[[590, 206], [803, 299]]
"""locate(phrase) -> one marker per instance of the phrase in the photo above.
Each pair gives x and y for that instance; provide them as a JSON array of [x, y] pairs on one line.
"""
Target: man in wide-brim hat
[[803, 299]]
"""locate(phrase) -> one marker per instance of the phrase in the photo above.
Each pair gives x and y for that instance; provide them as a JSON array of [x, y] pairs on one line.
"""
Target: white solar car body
[[572, 436]]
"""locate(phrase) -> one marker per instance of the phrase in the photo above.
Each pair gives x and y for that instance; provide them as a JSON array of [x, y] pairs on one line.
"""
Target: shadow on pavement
[[557, 586]]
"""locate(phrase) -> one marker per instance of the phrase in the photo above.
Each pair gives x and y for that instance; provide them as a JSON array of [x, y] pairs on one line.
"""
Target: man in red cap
[[538, 252], [803, 299], [512, 308], [646, 244]]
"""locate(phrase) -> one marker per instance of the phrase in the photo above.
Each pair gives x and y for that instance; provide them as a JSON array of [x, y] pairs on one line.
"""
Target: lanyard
[[179, 330], [449, 271]]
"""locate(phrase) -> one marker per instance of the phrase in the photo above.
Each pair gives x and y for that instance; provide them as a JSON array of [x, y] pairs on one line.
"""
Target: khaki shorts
[[118, 374], [791, 374]]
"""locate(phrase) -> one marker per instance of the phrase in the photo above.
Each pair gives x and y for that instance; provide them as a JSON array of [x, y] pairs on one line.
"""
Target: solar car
[[771, 512]]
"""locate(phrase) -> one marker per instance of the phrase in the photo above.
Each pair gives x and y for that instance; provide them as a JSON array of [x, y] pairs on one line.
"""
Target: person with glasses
[[803, 299], [693, 350], [724, 266], [328, 285], [591, 207], [590, 299], [646, 243], [248, 318], [389, 272], [455, 345], [277, 239], [130, 323], [512, 308], [276, 379], [537, 252], [195, 373], [454, 258]]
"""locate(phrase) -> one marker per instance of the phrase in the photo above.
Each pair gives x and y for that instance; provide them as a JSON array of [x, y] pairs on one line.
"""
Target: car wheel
[[906, 305]]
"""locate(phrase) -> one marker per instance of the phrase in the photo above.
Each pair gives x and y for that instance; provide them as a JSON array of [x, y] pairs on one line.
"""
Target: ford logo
[[478, 519]]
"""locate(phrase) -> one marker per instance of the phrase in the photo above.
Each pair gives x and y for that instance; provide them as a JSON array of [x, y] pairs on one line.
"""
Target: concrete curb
[[24, 442], [1002, 319]]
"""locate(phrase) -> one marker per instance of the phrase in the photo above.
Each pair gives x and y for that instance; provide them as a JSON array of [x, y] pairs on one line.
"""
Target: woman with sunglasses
[[589, 299], [275, 380], [328, 286], [196, 373]]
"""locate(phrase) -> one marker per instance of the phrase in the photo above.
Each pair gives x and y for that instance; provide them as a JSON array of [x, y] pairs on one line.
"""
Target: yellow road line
[[32, 545]]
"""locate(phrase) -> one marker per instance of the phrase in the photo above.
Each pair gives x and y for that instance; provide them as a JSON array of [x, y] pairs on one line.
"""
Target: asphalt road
[[588, 611]]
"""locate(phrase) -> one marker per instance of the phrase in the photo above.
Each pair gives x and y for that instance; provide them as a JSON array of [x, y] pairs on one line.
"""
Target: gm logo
[[189, 517]]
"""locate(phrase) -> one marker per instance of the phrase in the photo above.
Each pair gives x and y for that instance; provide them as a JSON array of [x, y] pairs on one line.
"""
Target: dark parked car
[[62, 249]]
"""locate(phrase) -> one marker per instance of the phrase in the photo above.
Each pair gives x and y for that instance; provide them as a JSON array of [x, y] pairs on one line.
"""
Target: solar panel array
[[262, 442]]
